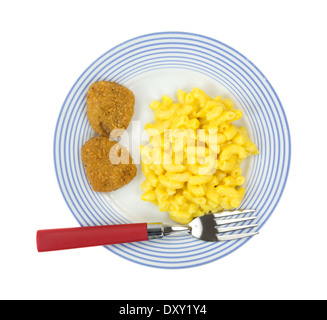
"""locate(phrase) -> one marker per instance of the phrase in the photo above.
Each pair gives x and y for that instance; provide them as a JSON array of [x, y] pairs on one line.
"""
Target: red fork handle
[[80, 237]]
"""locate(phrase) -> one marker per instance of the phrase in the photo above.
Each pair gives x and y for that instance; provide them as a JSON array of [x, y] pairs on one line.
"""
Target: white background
[[46, 45]]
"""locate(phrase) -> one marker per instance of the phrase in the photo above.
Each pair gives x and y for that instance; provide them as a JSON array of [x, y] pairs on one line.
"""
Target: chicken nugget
[[108, 164], [110, 106]]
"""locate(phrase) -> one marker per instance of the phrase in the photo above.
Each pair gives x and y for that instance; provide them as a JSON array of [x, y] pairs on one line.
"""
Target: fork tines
[[234, 228]]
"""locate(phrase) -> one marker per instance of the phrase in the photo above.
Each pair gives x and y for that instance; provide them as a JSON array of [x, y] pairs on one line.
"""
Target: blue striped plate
[[152, 65]]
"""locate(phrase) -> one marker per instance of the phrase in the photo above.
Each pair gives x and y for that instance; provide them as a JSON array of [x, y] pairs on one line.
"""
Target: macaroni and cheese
[[192, 163]]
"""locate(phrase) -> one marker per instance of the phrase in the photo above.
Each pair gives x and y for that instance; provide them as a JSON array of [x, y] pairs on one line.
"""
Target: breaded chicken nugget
[[109, 106], [108, 165]]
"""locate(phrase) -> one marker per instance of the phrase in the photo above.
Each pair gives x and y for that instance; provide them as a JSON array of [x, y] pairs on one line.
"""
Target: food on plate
[[110, 107], [108, 165], [192, 165]]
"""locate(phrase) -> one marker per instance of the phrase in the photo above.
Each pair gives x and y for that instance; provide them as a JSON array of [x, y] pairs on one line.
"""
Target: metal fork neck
[[177, 229], [158, 230]]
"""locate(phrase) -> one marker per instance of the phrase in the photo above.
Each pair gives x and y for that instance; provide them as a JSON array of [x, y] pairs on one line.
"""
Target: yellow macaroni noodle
[[192, 163]]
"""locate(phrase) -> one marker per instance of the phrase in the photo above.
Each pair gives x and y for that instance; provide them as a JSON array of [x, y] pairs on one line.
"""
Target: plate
[[152, 65]]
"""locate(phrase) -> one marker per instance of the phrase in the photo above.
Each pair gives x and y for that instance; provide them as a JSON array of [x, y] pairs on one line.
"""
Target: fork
[[206, 228]]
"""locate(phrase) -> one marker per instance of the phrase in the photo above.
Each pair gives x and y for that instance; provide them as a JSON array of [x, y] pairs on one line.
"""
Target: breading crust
[[106, 168], [110, 106]]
